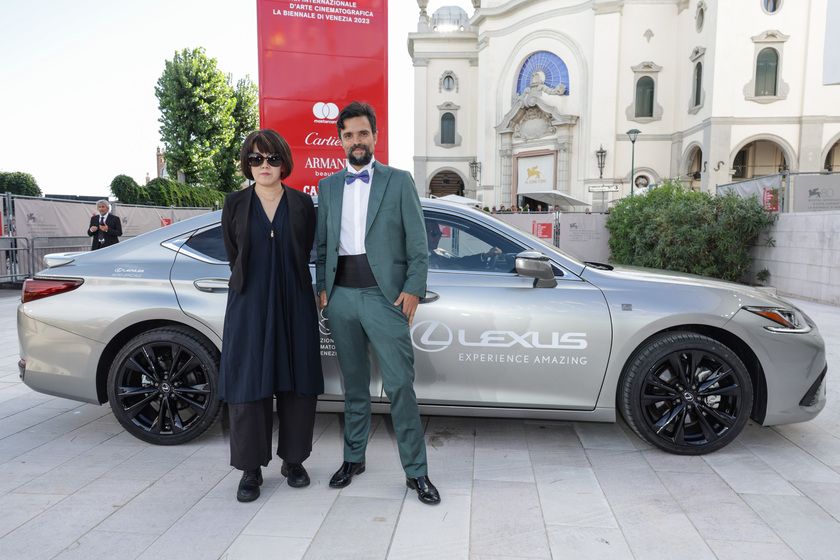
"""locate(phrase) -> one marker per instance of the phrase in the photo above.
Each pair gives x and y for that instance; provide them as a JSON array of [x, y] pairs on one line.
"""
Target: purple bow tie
[[364, 176]]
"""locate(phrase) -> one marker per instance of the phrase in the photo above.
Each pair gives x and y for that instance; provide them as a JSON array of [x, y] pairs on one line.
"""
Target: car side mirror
[[533, 264]]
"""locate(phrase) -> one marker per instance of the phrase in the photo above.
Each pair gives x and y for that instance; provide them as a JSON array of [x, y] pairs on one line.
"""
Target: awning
[[556, 198], [460, 199]]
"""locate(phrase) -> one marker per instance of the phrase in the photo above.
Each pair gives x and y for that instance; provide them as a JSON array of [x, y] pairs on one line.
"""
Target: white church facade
[[531, 101]]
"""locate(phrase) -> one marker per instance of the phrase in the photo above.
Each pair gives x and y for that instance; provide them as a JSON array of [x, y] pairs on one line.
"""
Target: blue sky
[[77, 79]]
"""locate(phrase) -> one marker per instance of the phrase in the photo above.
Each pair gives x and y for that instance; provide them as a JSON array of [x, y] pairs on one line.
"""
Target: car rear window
[[209, 242]]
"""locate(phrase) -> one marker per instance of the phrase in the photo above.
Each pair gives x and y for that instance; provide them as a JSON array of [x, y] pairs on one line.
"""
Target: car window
[[209, 243], [456, 243]]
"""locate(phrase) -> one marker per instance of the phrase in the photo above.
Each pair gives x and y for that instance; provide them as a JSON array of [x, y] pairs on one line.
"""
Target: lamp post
[[475, 170], [632, 134], [601, 154]]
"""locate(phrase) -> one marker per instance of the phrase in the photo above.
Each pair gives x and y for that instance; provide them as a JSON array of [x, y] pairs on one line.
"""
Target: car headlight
[[788, 320]]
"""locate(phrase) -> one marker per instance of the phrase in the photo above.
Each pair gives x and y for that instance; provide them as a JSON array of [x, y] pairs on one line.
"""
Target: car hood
[[621, 277]]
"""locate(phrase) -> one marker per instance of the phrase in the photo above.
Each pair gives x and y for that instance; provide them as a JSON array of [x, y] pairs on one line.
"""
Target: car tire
[[686, 393], [163, 386]]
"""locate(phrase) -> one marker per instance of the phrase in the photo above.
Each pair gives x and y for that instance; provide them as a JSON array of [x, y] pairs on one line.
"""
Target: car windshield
[[538, 244]]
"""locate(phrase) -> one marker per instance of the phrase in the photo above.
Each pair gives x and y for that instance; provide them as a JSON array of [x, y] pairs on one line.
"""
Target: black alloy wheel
[[163, 386], [686, 393]]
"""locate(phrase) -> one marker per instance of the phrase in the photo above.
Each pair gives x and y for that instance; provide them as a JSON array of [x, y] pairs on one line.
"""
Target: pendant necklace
[[265, 198], [268, 201]]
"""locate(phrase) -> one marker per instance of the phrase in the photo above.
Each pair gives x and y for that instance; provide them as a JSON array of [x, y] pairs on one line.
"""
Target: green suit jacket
[[395, 234]]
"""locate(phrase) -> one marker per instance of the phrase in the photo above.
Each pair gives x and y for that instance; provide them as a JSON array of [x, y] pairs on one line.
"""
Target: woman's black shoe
[[296, 475], [249, 486]]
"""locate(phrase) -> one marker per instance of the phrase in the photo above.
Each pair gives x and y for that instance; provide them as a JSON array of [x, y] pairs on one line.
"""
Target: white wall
[[805, 261]]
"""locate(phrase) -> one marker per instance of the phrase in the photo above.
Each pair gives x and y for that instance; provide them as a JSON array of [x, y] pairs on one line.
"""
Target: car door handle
[[430, 297], [211, 284]]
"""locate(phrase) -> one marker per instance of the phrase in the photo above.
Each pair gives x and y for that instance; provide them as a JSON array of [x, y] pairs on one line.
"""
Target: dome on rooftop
[[449, 18]]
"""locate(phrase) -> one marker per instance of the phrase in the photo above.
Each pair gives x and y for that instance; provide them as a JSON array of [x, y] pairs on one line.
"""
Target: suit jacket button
[[333, 269]]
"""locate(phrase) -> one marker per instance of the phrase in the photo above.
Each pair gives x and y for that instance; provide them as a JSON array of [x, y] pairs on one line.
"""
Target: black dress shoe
[[345, 474], [426, 491], [296, 475], [249, 486]]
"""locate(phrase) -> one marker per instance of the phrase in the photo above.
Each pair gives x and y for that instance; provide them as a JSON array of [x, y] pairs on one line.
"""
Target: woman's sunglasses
[[274, 160]]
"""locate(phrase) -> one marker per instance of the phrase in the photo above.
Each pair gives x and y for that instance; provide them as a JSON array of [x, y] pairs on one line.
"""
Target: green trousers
[[361, 318]]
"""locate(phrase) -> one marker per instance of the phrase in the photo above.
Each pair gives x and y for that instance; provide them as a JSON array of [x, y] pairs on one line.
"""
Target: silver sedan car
[[510, 327]]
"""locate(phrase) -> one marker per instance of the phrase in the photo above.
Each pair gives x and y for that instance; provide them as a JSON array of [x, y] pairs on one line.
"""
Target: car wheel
[[686, 393], [163, 386]]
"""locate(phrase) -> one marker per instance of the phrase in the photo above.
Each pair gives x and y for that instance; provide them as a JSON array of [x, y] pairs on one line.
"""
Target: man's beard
[[360, 161]]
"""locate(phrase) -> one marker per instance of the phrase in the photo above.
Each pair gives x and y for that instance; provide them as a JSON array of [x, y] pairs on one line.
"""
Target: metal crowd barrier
[[14, 259], [44, 245], [22, 257]]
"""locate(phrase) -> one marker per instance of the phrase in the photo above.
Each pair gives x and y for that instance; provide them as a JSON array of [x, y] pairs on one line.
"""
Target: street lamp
[[475, 170], [601, 154], [632, 134]]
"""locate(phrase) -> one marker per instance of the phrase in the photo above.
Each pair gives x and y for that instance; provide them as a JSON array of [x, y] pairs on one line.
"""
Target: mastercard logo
[[327, 111]]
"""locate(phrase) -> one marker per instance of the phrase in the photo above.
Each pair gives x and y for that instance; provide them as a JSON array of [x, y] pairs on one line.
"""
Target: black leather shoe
[[426, 491], [249, 486], [345, 474], [296, 475]]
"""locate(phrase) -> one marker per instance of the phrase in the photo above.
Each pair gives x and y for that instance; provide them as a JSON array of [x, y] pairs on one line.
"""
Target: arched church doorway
[[832, 158], [695, 169], [446, 182], [759, 158]]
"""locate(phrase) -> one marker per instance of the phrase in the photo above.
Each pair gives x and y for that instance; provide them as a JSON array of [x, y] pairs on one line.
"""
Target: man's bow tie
[[364, 176]]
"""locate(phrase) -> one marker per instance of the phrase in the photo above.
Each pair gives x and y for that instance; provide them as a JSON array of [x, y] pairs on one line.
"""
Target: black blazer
[[111, 236], [235, 227]]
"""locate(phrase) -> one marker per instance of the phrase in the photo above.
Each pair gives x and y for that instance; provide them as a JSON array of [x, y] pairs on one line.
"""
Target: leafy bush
[[164, 192], [126, 190], [674, 228]]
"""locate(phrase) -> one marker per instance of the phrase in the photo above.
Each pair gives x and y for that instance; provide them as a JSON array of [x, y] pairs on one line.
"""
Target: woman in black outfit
[[271, 343]]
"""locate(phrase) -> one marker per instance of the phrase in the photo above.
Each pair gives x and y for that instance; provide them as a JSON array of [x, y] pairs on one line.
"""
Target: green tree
[[246, 118], [674, 228], [18, 182], [196, 104]]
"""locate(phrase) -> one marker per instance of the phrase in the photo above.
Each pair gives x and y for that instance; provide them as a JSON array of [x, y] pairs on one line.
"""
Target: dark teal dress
[[271, 342]]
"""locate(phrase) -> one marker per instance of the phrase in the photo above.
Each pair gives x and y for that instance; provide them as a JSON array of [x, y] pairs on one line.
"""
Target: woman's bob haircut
[[266, 141]]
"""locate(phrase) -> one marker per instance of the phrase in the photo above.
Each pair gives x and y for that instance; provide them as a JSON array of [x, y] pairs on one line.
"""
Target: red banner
[[316, 56]]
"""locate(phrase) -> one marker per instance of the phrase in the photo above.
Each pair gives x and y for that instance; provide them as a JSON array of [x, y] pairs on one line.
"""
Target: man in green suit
[[371, 269]]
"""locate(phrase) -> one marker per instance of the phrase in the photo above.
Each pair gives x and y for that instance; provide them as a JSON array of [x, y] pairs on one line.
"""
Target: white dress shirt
[[354, 207], [102, 218]]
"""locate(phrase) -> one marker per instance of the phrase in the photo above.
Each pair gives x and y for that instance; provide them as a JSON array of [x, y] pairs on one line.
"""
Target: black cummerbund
[[354, 272]]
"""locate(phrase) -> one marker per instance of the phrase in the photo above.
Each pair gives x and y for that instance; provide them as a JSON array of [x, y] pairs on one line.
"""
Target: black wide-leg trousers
[[251, 425]]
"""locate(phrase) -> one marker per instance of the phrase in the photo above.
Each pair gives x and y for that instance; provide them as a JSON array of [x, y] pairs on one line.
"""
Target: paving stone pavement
[[73, 484]]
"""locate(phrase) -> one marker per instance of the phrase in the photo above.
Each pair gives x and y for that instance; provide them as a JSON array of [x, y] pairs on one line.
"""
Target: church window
[[447, 128], [644, 97], [766, 72], [771, 6], [698, 85], [551, 66]]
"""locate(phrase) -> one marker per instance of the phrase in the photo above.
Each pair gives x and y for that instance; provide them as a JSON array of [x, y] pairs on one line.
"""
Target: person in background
[[271, 343], [371, 272], [105, 228]]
